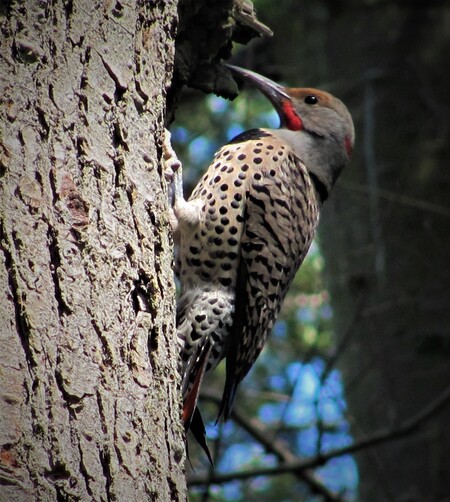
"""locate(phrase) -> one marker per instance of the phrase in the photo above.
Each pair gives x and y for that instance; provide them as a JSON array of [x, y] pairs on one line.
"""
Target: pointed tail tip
[[193, 421], [198, 430]]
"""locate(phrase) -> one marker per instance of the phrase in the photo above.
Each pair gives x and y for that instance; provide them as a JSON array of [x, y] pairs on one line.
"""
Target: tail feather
[[198, 430], [191, 397], [192, 418]]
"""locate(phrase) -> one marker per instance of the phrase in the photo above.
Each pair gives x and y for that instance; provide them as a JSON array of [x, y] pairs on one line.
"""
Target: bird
[[245, 231]]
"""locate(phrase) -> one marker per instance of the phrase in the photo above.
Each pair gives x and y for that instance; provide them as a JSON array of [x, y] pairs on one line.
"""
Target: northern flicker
[[246, 229]]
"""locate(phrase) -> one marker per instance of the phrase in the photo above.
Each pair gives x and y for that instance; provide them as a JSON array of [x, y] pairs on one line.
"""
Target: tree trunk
[[386, 240], [89, 399]]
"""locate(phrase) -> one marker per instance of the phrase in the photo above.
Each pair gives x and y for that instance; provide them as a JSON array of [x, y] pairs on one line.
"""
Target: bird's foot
[[186, 213], [173, 173], [173, 170]]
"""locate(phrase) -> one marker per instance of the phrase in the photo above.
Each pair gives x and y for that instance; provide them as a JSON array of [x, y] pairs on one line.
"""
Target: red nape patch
[[293, 121], [348, 145]]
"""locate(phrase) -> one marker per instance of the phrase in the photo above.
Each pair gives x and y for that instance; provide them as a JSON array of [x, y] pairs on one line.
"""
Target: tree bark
[[89, 398]]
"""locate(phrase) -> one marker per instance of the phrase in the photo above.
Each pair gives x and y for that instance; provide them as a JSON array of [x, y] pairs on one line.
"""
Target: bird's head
[[327, 132]]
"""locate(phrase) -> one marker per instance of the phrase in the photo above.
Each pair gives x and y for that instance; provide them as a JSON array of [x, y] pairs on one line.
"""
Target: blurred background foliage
[[362, 342]]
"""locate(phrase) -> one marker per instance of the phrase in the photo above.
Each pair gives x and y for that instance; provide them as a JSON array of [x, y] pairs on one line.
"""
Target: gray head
[[316, 124]]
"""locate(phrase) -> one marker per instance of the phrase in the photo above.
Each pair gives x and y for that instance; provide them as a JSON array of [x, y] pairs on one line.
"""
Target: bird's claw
[[173, 171], [171, 162]]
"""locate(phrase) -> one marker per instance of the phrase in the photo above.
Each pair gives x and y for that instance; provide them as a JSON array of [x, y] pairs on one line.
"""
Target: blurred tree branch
[[300, 468], [273, 445], [399, 198]]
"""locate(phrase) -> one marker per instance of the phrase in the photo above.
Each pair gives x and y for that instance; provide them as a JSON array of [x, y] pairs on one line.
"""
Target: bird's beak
[[276, 93]]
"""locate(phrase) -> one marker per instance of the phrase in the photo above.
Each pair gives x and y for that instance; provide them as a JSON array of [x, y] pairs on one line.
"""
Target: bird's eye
[[311, 99]]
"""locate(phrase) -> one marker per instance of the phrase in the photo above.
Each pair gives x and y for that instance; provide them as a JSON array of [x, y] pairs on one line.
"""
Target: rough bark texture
[[89, 401], [386, 240]]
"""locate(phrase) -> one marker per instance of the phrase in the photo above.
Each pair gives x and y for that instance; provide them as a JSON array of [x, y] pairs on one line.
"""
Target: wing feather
[[280, 217]]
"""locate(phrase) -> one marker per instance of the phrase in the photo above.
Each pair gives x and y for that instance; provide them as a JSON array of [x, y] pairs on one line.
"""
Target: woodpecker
[[245, 231]]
